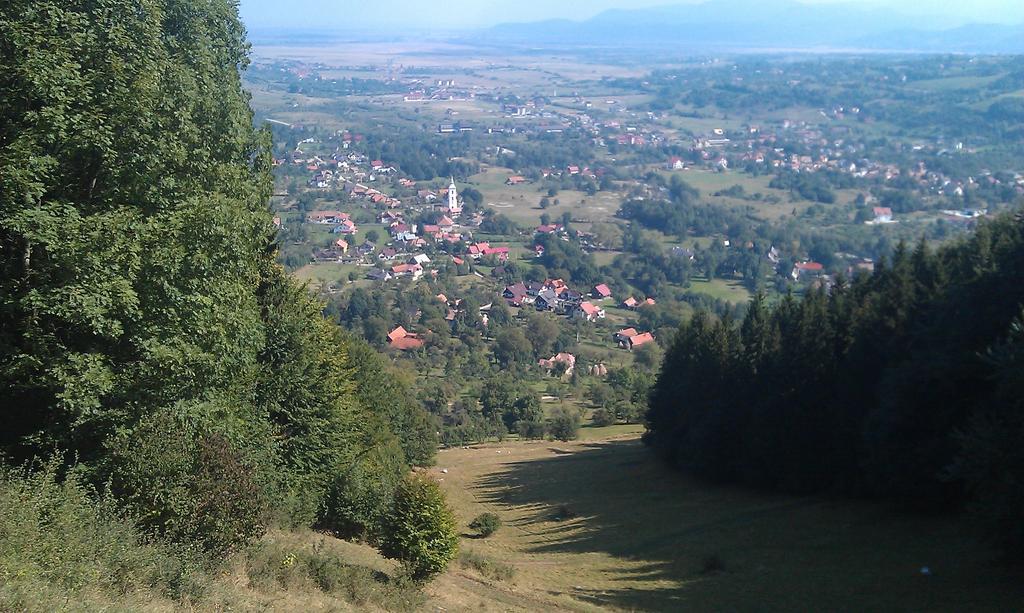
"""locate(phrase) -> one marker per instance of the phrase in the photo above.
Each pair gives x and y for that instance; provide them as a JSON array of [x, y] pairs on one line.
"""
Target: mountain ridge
[[747, 24]]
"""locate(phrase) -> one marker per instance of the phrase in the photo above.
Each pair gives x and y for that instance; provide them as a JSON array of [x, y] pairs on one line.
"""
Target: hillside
[[585, 530]]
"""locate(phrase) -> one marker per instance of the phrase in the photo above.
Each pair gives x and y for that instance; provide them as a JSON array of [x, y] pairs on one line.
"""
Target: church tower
[[454, 208]]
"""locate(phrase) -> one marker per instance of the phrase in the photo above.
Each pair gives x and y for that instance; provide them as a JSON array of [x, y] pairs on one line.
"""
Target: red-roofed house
[[407, 270], [327, 217], [588, 311], [639, 340], [568, 359], [623, 335], [402, 340], [601, 292], [630, 303], [806, 268]]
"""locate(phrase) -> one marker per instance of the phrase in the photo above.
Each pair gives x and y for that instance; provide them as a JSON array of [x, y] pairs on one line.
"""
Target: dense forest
[[153, 356], [905, 385]]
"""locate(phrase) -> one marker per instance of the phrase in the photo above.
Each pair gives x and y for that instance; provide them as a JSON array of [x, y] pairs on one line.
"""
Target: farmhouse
[[802, 269], [516, 294], [327, 217], [588, 311], [402, 340], [567, 360], [883, 214], [639, 340], [414, 271], [622, 336], [600, 292]]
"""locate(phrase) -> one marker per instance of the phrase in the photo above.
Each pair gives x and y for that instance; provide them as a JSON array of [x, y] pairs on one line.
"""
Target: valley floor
[[600, 524]]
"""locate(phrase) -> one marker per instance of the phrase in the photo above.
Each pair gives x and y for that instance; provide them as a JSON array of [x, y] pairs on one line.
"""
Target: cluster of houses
[[552, 295]]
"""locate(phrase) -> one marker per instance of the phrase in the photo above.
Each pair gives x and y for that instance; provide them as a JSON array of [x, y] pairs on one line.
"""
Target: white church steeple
[[454, 208]]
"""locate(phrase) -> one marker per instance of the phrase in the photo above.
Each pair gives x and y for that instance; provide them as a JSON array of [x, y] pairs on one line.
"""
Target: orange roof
[[407, 343], [641, 339], [396, 334]]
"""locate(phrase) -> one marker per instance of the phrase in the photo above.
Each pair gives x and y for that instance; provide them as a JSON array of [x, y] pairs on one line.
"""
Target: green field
[[730, 291], [602, 525], [521, 203]]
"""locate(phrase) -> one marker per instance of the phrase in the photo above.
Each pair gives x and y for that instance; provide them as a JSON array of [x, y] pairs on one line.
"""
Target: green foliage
[[60, 542], [421, 529], [512, 347], [488, 567], [307, 569], [132, 219], [511, 400], [188, 484], [604, 417], [863, 389], [144, 326], [388, 392], [991, 459], [564, 424], [485, 524]]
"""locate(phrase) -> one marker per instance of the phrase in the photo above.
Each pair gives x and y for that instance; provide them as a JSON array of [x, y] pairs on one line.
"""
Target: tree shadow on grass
[[769, 552]]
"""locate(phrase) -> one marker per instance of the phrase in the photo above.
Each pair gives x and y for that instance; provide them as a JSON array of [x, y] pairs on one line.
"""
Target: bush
[[61, 543], [485, 524], [188, 486], [604, 417], [564, 425], [278, 565], [530, 429], [361, 496], [421, 530], [487, 567]]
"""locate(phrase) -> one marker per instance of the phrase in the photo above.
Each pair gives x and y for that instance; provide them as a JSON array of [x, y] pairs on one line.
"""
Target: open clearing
[[521, 203], [640, 537]]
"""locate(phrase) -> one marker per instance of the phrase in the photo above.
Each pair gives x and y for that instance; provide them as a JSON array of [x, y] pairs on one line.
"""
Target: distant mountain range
[[762, 25]]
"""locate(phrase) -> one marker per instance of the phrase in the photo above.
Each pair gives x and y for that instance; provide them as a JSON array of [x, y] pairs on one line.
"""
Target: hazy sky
[[384, 14]]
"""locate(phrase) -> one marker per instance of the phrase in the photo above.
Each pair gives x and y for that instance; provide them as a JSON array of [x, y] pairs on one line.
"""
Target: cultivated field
[[600, 524]]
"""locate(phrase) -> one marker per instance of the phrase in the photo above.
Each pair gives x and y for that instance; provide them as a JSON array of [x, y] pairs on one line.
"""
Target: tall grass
[[66, 547], [63, 546]]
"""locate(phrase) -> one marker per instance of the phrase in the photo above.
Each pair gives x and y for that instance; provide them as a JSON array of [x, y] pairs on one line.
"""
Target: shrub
[[487, 567], [604, 417], [485, 524], [530, 429], [61, 543], [421, 529], [362, 495], [564, 425], [277, 565], [191, 487]]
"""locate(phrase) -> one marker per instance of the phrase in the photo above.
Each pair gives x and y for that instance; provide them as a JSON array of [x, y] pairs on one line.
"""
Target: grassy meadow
[[599, 524]]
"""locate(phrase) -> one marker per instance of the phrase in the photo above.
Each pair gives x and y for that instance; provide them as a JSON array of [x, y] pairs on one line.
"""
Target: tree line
[[904, 385]]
